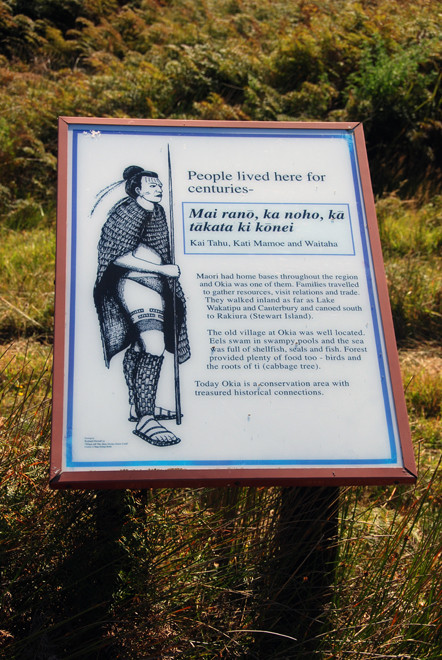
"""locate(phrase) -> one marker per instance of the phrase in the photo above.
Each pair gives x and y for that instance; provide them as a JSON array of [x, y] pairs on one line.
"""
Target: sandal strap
[[150, 429]]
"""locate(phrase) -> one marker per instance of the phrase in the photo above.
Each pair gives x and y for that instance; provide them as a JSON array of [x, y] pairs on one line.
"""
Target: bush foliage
[[235, 572], [376, 62]]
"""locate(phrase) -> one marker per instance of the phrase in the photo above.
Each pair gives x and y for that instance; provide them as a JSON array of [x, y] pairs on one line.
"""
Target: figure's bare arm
[[133, 261]]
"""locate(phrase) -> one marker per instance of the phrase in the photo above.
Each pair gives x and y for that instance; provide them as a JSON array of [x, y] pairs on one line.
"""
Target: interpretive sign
[[222, 313]]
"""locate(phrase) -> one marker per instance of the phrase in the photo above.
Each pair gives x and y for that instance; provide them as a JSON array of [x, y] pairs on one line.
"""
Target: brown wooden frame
[[140, 478]]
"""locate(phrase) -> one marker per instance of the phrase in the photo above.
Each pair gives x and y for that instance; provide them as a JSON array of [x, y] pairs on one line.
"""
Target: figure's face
[[150, 189]]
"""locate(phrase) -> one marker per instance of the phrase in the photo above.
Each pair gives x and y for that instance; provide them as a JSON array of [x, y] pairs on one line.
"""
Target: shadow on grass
[[64, 611], [296, 583]]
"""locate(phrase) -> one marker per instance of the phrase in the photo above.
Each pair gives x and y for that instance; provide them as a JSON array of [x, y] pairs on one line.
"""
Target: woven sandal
[[152, 431]]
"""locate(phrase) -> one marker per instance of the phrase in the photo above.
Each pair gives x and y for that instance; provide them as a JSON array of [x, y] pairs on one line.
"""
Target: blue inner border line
[[80, 129], [371, 293]]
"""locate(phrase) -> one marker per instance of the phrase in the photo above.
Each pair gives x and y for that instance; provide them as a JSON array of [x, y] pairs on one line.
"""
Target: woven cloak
[[128, 226]]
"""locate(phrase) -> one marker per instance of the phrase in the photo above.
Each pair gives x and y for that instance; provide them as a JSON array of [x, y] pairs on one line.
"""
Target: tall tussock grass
[[411, 237], [27, 265], [208, 572]]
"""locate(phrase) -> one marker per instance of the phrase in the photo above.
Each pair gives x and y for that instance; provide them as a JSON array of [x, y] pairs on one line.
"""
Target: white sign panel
[[221, 303]]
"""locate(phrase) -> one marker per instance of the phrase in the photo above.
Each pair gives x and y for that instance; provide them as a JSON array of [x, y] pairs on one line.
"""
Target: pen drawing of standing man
[[139, 300]]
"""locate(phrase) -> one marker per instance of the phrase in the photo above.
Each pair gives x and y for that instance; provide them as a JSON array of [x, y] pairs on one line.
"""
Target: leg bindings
[[145, 385], [130, 363], [146, 379]]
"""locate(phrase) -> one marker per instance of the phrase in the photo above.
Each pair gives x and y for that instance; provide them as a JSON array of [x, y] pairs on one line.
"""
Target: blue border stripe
[[190, 463], [221, 132], [377, 331], [183, 131], [73, 283]]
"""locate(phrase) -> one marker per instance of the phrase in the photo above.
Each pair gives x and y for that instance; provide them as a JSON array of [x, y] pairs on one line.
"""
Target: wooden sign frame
[[285, 384]]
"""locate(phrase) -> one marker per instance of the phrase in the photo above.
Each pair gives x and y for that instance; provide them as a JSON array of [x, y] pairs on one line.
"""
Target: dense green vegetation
[[376, 62], [213, 573]]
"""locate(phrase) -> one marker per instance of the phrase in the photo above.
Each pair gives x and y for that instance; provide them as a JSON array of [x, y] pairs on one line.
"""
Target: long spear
[[175, 323]]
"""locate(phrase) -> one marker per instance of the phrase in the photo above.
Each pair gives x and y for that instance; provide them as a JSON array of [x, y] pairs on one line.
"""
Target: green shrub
[[396, 93]]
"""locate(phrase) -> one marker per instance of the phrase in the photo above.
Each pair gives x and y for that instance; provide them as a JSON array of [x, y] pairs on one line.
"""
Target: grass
[[411, 238], [386, 604], [415, 288], [212, 573], [408, 229], [27, 264], [422, 373], [206, 573]]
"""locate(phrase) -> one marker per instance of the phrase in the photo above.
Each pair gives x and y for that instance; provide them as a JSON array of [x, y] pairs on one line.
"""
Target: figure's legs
[[130, 363], [145, 388], [142, 366]]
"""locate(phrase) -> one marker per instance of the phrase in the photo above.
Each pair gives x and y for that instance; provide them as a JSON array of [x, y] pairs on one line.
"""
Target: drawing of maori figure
[[139, 300]]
